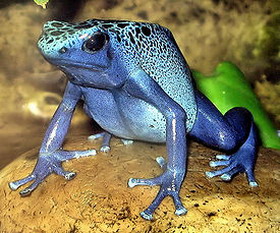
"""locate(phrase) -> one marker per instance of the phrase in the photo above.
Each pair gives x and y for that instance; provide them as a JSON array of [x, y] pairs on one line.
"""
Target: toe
[[70, 175], [131, 183], [223, 157], [180, 209], [251, 178], [105, 149], [161, 161], [225, 177], [27, 191], [219, 163], [127, 142], [218, 172], [85, 153], [253, 184], [68, 155], [134, 182], [66, 174], [228, 176], [16, 184], [146, 215], [96, 136]]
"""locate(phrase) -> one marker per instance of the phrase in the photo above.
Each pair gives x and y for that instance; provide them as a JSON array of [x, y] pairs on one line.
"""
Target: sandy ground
[[98, 199]]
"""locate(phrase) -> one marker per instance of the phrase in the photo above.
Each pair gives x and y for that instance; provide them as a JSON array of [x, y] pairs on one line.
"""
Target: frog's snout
[[52, 40], [46, 26], [53, 26]]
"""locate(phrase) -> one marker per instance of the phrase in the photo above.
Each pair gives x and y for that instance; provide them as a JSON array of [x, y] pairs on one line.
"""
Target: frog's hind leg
[[105, 147], [242, 160], [234, 133]]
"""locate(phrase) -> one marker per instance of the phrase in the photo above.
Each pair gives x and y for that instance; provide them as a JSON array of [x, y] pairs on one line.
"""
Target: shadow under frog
[[136, 85]]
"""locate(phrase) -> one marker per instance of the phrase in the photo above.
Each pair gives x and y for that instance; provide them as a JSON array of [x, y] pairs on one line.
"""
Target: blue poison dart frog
[[136, 84]]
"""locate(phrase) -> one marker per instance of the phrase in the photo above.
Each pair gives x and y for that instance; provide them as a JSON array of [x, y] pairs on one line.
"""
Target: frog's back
[[153, 48]]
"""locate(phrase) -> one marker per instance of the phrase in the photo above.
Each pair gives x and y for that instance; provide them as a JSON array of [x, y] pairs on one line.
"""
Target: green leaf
[[42, 3], [227, 88]]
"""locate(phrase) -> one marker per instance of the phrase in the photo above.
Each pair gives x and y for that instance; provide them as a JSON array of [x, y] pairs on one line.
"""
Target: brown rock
[[98, 199]]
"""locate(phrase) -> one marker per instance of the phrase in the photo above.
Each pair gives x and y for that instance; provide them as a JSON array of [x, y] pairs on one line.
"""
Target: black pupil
[[96, 42]]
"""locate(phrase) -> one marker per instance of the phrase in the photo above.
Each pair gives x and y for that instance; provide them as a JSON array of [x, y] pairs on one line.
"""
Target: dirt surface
[[98, 199]]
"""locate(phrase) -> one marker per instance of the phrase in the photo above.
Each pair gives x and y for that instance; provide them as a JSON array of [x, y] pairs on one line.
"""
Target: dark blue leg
[[142, 86], [51, 154], [234, 133]]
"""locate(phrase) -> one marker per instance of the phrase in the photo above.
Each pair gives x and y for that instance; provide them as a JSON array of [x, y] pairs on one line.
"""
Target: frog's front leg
[[140, 85], [51, 155]]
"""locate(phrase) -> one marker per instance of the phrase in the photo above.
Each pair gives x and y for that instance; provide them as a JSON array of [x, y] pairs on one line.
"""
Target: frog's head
[[84, 51]]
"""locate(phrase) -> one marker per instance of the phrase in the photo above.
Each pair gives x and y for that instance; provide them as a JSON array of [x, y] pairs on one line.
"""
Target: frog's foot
[[161, 162], [105, 147], [170, 184], [127, 141], [46, 165], [234, 164]]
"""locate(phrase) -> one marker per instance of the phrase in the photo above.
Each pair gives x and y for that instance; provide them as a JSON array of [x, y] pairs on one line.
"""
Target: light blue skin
[[136, 85]]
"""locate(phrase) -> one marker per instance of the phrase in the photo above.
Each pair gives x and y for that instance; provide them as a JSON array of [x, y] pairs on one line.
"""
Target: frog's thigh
[[224, 132]]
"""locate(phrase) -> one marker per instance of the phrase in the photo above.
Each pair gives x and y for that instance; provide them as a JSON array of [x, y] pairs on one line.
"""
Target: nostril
[[63, 50], [50, 41]]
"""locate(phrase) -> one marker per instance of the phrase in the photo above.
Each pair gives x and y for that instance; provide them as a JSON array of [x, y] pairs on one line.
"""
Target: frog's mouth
[[66, 64]]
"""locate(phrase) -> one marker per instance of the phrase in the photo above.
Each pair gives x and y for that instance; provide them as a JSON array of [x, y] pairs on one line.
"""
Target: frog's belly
[[143, 120], [126, 117]]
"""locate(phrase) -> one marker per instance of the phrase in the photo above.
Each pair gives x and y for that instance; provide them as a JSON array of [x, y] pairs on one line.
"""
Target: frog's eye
[[95, 42]]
